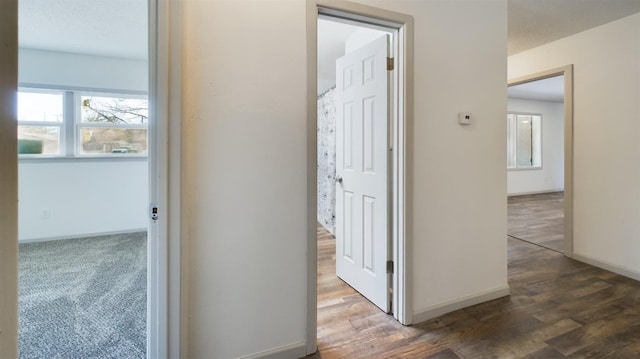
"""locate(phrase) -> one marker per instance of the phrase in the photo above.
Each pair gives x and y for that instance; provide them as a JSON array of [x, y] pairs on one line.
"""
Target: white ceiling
[[550, 89], [116, 28]]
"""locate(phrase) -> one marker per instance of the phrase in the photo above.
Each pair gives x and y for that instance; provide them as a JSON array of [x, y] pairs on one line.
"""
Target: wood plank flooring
[[558, 308], [538, 218]]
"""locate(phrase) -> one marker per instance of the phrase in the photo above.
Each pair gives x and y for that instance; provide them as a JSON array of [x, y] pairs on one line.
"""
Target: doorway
[[353, 161], [100, 163], [367, 22], [539, 159]]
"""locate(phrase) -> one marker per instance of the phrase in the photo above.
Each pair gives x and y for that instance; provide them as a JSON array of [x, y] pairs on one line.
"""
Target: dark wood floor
[[558, 308], [538, 218]]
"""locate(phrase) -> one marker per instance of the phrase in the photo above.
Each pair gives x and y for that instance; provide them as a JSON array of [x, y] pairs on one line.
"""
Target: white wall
[[76, 70], [359, 38], [606, 137], [550, 177], [245, 165], [84, 196]]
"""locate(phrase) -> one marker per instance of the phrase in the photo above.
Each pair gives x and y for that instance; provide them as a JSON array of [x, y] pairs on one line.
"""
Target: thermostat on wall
[[464, 118]]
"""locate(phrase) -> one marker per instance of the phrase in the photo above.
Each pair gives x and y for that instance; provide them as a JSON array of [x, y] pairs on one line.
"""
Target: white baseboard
[[535, 192], [86, 235], [290, 351], [623, 271], [425, 314]]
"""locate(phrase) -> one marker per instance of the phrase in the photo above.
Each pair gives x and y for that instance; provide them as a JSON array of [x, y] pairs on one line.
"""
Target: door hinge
[[390, 66], [390, 267]]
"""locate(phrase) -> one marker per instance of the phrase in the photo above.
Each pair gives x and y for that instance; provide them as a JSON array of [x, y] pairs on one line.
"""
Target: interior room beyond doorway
[[535, 162]]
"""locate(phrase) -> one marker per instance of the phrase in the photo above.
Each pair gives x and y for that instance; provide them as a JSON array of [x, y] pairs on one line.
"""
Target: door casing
[[401, 142], [567, 72], [164, 307]]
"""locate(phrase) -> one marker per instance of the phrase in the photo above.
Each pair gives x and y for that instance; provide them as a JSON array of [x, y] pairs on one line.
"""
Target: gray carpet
[[84, 298]]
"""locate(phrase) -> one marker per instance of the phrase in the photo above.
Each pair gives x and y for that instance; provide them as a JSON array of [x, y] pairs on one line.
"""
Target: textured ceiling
[[534, 23], [119, 27], [116, 28]]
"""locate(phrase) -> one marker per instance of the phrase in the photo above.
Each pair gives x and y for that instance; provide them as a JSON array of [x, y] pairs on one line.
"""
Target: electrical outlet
[[45, 213]]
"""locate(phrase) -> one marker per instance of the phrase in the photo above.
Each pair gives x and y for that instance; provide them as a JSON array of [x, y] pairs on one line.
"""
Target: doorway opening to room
[[539, 160], [86, 143], [361, 117]]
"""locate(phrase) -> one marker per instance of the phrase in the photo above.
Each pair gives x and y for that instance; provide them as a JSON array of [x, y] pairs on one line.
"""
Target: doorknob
[[338, 179]]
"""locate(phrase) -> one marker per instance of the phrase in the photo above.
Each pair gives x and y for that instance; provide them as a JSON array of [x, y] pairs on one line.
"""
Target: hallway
[[558, 308]]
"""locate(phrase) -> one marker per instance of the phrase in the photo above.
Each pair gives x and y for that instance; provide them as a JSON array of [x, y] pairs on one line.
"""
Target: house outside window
[[57, 123]]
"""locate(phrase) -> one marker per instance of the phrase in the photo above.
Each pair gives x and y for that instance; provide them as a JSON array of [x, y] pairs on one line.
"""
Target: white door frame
[[401, 157], [567, 71], [163, 278]]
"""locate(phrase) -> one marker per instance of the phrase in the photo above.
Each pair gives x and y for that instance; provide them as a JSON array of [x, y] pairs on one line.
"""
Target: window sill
[[86, 158], [516, 169]]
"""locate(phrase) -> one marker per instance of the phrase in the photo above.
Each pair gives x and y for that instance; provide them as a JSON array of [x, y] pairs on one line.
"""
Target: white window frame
[[512, 141], [70, 141], [62, 130], [78, 124]]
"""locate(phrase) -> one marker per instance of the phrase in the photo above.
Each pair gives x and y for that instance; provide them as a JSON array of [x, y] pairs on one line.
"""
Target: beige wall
[[8, 180], [245, 132], [606, 137], [244, 71], [459, 175]]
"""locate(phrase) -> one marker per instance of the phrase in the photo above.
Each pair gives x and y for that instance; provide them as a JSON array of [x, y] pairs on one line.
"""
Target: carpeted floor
[[84, 298]]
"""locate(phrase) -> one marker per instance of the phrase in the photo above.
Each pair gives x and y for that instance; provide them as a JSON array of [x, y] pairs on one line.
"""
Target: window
[[40, 122], [75, 123], [112, 125], [524, 141]]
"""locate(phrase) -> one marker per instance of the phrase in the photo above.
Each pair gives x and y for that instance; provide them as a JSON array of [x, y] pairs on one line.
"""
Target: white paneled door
[[362, 157]]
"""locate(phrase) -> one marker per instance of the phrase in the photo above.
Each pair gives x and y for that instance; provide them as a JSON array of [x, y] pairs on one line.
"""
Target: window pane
[[511, 141], [525, 141], [39, 140], [100, 140], [114, 110], [45, 107]]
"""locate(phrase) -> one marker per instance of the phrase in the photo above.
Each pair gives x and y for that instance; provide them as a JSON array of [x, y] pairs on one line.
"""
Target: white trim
[[165, 92], [157, 259], [85, 158], [402, 186], [290, 351], [535, 192], [435, 311], [517, 169], [85, 235], [621, 270]]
